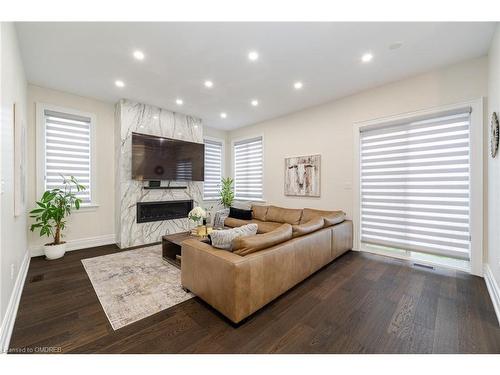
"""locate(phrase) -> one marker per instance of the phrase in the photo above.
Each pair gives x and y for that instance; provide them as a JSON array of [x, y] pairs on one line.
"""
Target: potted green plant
[[226, 193], [52, 209]]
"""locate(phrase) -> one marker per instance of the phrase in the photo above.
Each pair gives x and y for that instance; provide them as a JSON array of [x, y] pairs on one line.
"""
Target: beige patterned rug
[[134, 284]]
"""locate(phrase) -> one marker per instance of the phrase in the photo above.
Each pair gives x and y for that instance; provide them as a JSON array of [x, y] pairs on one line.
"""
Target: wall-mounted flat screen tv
[[158, 158]]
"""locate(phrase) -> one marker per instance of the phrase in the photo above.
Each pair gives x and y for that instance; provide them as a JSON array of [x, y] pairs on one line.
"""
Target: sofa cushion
[[312, 225], [259, 212], [284, 215], [266, 226], [233, 223], [262, 226], [222, 239], [239, 213], [251, 244], [330, 217]]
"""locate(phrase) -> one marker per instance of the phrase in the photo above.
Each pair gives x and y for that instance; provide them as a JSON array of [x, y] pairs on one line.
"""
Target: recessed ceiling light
[[209, 84], [139, 55], [179, 101], [297, 85], [223, 115], [255, 102], [155, 117], [395, 45], [119, 83], [253, 55], [367, 57]]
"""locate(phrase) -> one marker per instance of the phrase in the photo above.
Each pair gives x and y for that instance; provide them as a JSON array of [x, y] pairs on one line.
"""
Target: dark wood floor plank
[[360, 303]]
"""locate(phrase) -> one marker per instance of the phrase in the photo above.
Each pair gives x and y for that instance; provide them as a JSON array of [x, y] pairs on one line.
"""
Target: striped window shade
[[67, 151], [415, 188], [248, 169], [213, 169]]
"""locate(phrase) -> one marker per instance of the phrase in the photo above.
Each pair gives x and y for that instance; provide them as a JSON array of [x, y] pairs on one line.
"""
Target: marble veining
[[141, 118]]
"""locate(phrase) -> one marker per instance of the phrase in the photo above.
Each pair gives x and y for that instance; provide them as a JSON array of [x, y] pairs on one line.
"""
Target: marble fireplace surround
[[142, 118]]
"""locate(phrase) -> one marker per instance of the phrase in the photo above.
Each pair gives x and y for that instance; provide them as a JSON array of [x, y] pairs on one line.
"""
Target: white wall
[[13, 229], [493, 256], [86, 227], [328, 129]]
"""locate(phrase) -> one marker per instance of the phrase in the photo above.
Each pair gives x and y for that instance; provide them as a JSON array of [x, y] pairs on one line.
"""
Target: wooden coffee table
[[171, 246]]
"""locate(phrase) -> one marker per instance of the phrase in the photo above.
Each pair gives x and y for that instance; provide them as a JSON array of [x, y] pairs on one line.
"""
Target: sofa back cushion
[[222, 239], [250, 244], [239, 213], [284, 215], [330, 217], [259, 212], [312, 225]]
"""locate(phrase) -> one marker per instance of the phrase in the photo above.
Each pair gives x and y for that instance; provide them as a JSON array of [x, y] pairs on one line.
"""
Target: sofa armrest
[[215, 276]]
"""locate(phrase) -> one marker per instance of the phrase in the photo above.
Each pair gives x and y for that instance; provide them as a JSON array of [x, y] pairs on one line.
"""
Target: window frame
[[40, 151], [223, 162], [475, 265], [233, 166]]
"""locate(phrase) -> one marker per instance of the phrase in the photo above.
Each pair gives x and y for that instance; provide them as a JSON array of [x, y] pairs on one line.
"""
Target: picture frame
[[19, 161], [303, 176]]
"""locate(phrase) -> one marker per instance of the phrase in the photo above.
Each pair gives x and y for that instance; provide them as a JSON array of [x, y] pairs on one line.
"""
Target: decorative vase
[[201, 230], [54, 251]]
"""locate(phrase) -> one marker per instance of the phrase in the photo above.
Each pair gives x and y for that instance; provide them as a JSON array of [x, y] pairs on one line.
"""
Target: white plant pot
[[54, 251]]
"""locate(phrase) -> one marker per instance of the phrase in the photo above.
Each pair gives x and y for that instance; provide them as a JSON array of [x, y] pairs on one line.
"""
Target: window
[[248, 169], [65, 148], [213, 168], [415, 184]]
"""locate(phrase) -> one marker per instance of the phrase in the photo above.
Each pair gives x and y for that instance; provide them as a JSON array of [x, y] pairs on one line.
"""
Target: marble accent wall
[[146, 119]]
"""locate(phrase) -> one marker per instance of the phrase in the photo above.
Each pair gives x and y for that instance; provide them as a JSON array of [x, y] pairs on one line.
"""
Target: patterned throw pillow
[[222, 239]]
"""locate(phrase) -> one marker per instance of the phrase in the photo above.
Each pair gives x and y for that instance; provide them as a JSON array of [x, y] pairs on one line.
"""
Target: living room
[[250, 187]]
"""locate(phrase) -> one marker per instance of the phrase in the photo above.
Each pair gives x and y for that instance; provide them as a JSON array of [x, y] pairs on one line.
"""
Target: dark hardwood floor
[[360, 303]]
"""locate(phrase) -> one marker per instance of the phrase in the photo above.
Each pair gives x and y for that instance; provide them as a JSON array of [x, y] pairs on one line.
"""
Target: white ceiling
[[86, 59]]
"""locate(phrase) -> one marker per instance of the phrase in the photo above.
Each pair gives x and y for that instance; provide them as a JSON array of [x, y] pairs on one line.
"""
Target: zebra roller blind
[[67, 151], [213, 169], [248, 169], [415, 189]]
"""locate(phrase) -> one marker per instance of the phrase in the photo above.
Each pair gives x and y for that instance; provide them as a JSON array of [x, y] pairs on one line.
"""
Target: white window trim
[[239, 139], [40, 151], [476, 176], [223, 161]]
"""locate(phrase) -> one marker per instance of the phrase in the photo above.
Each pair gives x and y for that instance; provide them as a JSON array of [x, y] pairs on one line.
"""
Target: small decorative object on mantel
[[302, 176], [196, 215], [494, 134]]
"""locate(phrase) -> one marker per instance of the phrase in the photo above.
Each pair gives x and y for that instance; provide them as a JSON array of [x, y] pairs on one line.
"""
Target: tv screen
[[158, 158]]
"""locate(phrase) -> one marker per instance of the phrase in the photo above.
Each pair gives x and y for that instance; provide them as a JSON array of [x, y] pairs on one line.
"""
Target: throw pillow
[[222, 239], [238, 213]]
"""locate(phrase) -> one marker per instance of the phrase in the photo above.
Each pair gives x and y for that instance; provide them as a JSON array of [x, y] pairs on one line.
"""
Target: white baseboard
[[83, 243], [11, 312], [493, 289]]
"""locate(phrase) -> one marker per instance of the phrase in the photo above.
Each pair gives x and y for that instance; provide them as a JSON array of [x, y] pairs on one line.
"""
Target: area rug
[[134, 284]]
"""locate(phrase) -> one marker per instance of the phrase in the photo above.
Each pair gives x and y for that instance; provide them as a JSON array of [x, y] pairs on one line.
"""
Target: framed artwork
[[494, 130], [19, 162], [302, 176]]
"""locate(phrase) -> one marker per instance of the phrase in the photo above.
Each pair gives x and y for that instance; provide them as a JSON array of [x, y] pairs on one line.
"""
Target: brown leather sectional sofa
[[291, 244]]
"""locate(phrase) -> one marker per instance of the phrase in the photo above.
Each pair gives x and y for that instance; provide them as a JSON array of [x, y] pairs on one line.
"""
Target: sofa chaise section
[[238, 286]]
